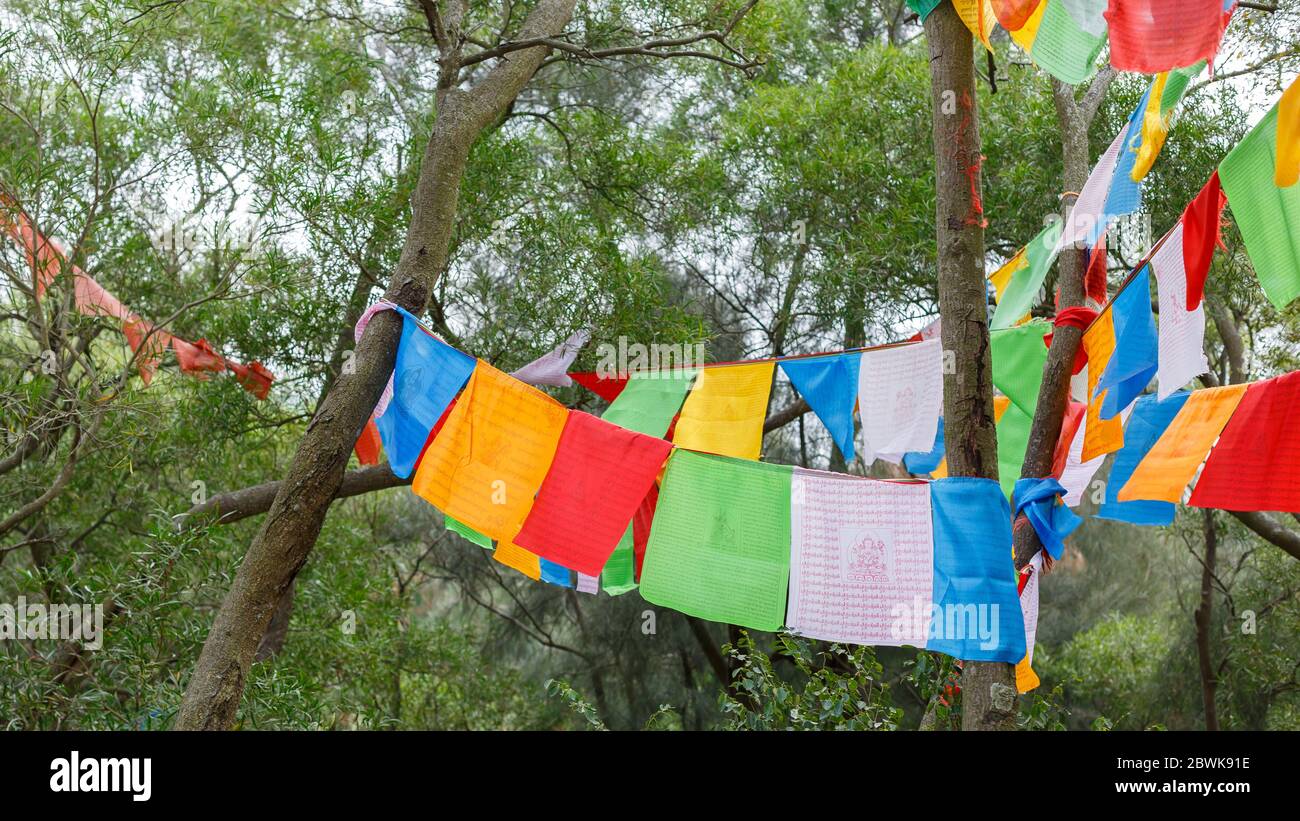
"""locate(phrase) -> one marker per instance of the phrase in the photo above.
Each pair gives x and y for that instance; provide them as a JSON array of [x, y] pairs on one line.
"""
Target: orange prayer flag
[[494, 450], [140, 333], [1172, 462], [1100, 436], [369, 445], [513, 556], [1287, 171]]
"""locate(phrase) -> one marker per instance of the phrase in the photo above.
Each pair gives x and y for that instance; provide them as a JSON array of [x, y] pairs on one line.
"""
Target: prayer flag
[[1150, 36], [649, 401], [1026, 678], [1256, 463], [1201, 222], [1099, 436], [1018, 359], [861, 555], [1086, 222], [978, 16], [553, 573], [606, 387], [493, 451], [1287, 172], [1014, 14], [829, 384], [596, 481], [1058, 44], [1268, 216], [426, 377], [1026, 279], [923, 7], [724, 411], [550, 367], [368, 444], [197, 358], [516, 558], [1173, 459], [1182, 332], [1149, 420], [976, 613], [1089, 15], [720, 546], [921, 462], [900, 398], [466, 532], [1162, 98], [1134, 360]]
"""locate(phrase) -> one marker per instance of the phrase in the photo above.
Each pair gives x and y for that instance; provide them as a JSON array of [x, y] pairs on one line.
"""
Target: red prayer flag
[[1074, 415], [606, 387], [368, 444], [641, 521], [255, 378], [598, 478], [1201, 225], [1151, 36], [138, 333], [1256, 463], [197, 358], [1094, 281], [1013, 14]]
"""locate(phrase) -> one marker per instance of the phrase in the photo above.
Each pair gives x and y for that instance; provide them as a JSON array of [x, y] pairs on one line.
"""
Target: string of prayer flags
[[974, 594], [725, 410], [1014, 14], [1268, 216], [1150, 36], [1172, 461], [597, 479], [1025, 279], [1018, 359], [720, 546], [1202, 222], [1256, 463], [900, 398], [1167, 89], [1053, 522], [1100, 436], [861, 556], [1151, 417], [516, 558], [1182, 332], [829, 385], [426, 377], [649, 401], [1057, 44], [1133, 362], [466, 532], [492, 454], [979, 17], [1287, 172]]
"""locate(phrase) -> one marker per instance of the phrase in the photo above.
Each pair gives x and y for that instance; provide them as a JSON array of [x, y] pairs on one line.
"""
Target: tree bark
[[1209, 680], [989, 700], [287, 536]]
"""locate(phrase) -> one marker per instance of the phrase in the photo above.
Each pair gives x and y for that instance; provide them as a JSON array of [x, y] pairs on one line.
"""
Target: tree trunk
[[989, 700], [295, 518], [1209, 680]]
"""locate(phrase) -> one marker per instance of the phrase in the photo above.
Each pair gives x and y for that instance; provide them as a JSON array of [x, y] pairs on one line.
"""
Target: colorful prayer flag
[[1026, 279], [426, 377], [1172, 461], [861, 553], [1268, 216], [829, 384], [1167, 89], [1182, 332], [1201, 222], [516, 558], [495, 448], [1256, 463], [720, 547], [649, 401], [1100, 436], [1058, 44], [900, 398], [725, 410], [1149, 420], [596, 481], [1151, 36], [1134, 361]]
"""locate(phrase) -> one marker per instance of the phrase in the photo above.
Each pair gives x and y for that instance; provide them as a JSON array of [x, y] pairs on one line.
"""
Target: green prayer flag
[[650, 401], [720, 545], [923, 7], [1176, 85], [1268, 216], [1018, 358], [1013, 440], [466, 532], [1062, 48], [619, 573], [1022, 291]]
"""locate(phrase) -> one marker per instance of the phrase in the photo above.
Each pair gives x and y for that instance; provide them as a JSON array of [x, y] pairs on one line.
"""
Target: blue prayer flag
[[830, 386], [1149, 420], [1137, 346]]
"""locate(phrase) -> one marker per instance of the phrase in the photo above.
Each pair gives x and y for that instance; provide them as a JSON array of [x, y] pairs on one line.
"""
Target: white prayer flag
[[900, 398]]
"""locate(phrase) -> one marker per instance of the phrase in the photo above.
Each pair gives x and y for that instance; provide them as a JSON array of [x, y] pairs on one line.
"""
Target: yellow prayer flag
[[1287, 172], [1026, 34], [1172, 462], [1100, 436], [1026, 678], [724, 411], [1155, 127], [979, 17], [491, 455]]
